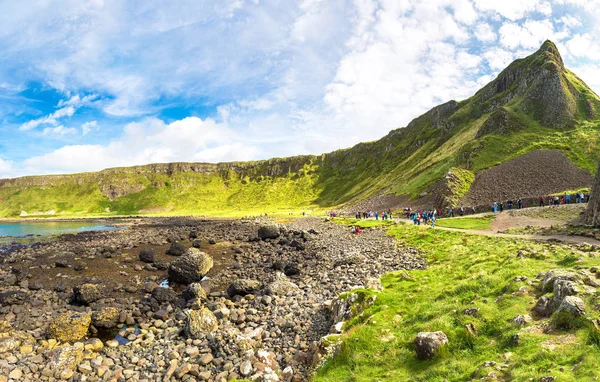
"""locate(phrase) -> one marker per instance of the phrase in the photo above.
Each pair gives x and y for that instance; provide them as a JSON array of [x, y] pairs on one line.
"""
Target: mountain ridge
[[533, 104]]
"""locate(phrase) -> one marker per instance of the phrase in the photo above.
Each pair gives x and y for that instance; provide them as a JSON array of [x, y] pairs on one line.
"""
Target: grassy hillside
[[469, 272], [535, 103]]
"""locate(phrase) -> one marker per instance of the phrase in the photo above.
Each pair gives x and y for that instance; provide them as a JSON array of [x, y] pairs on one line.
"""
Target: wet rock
[[200, 322], [86, 294], [69, 326], [176, 249], [147, 256], [428, 344], [190, 267], [243, 287]]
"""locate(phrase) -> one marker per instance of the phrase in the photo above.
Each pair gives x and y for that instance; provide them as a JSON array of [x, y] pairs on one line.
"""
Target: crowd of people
[[550, 200], [384, 215]]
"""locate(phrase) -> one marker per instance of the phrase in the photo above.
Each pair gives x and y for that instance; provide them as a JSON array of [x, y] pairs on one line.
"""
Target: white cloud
[[59, 130], [89, 126], [6, 169], [50, 119], [150, 141], [529, 35], [485, 33], [514, 9], [584, 45]]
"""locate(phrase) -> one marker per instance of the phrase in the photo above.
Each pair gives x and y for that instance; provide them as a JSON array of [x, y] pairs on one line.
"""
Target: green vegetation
[[468, 271], [479, 223], [364, 223]]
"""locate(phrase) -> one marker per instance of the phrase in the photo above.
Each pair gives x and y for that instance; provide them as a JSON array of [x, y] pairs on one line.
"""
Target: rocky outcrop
[[86, 294], [592, 213], [200, 322]]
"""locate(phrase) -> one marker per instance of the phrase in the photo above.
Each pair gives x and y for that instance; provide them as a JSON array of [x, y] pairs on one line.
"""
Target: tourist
[[541, 201]]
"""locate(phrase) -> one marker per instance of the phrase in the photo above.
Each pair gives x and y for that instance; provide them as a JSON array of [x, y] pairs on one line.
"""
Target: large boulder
[[269, 231], [562, 289], [86, 294], [191, 267], [176, 249], [62, 361], [544, 307], [555, 275], [147, 256], [243, 287], [69, 326], [568, 311], [200, 322], [428, 344], [13, 297], [194, 291], [106, 317]]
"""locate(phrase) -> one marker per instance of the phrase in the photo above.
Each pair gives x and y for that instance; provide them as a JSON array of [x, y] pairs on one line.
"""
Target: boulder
[[551, 277], [162, 294], [521, 320], [193, 235], [562, 289], [570, 308], [243, 287], [196, 244], [62, 361], [147, 256], [281, 286], [269, 231], [200, 322], [106, 317], [194, 291], [291, 269], [13, 297], [86, 294], [191, 267], [69, 326], [176, 249], [428, 344], [544, 307]]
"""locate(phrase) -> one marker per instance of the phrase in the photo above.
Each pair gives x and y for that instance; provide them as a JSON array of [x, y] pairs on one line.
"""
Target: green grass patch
[[467, 271], [364, 223], [479, 223]]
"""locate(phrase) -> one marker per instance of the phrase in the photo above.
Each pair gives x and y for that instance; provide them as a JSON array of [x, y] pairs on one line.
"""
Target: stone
[[196, 244], [280, 287], [428, 344], [176, 249], [570, 308], [269, 231], [544, 307], [162, 294], [521, 320], [246, 368], [171, 369], [191, 267], [69, 326], [592, 212], [63, 361], [105, 317], [194, 291], [16, 374], [562, 289], [205, 359], [243, 287], [200, 322], [13, 297], [147, 256], [86, 294]]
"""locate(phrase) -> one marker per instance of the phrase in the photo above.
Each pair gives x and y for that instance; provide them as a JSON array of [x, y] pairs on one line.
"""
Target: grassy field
[[467, 271], [479, 223]]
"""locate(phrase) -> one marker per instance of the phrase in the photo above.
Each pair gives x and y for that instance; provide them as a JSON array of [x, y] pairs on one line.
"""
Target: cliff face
[[592, 212]]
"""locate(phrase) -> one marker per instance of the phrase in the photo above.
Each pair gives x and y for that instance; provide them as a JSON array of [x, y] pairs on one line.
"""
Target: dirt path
[[563, 238]]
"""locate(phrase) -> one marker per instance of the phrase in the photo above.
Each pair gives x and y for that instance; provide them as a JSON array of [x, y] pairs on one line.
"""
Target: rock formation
[[592, 213]]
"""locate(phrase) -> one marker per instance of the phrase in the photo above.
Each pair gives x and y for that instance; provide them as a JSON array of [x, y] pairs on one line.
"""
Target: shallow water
[[19, 232]]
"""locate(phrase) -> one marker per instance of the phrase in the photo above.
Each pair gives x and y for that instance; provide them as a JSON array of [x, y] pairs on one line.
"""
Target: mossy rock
[[69, 326]]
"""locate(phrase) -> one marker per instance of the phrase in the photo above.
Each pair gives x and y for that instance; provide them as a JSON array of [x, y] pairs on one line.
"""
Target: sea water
[[18, 231]]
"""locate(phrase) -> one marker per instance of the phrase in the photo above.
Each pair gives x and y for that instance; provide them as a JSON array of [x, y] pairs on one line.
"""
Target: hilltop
[[442, 158]]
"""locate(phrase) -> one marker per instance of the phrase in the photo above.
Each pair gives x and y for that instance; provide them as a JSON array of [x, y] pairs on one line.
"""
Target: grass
[[362, 223], [466, 271], [479, 223]]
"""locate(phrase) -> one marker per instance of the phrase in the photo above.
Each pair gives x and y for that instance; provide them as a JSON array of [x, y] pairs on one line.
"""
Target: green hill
[[534, 104]]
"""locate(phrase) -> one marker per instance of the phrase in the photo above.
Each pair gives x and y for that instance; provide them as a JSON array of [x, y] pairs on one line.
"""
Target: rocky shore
[[183, 299]]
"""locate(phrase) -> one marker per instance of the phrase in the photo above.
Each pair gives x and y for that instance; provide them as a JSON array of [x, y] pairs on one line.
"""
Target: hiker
[[433, 221], [541, 201], [376, 215], [568, 197], [451, 212], [461, 211], [501, 207]]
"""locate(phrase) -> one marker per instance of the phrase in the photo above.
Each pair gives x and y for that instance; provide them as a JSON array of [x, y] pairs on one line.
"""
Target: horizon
[[104, 84]]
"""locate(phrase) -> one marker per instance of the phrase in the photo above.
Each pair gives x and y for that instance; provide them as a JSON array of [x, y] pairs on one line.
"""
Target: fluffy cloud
[[59, 130], [51, 119], [485, 33], [89, 126], [514, 9], [150, 141]]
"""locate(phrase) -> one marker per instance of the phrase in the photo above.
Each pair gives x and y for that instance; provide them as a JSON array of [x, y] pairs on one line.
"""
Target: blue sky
[[86, 85]]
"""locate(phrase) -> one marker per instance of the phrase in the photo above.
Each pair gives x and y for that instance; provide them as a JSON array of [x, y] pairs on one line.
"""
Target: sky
[[88, 85]]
